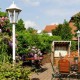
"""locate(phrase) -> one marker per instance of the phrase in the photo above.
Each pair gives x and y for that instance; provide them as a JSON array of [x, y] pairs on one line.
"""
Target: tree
[[4, 55], [66, 31], [31, 30], [3, 14], [4, 37], [57, 31], [45, 42], [20, 25], [40, 41], [76, 20], [63, 30]]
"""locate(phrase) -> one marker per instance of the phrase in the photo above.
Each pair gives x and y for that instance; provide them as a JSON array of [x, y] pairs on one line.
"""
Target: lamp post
[[13, 12], [78, 34]]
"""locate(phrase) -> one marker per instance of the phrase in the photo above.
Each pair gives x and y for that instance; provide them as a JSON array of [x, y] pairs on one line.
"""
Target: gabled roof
[[49, 28]]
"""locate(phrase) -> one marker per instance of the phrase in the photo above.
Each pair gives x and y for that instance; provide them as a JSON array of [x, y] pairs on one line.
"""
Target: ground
[[47, 72], [46, 58]]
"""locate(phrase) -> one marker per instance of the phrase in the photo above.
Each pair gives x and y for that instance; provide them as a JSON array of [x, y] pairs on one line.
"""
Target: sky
[[39, 13]]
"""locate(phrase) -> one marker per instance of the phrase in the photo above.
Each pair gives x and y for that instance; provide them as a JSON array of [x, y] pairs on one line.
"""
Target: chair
[[64, 68]]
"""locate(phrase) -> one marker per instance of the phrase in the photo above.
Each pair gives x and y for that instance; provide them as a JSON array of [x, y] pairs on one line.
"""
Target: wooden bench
[[32, 58], [36, 63]]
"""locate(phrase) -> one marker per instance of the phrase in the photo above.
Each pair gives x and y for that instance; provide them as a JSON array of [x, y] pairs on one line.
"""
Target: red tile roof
[[49, 28]]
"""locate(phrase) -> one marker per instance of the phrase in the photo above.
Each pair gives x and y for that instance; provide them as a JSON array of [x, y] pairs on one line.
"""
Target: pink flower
[[6, 18]]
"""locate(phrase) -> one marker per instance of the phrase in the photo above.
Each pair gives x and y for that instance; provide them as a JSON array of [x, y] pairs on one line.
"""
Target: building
[[48, 29], [72, 21], [73, 30]]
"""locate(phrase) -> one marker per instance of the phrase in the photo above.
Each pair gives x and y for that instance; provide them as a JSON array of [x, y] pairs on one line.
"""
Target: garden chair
[[64, 68]]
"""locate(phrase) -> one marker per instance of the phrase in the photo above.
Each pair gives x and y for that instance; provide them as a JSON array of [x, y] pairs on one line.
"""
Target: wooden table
[[32, 58], [36, 63]]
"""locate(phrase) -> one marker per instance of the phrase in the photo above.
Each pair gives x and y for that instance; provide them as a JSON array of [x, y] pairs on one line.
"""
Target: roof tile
[[49, 28]]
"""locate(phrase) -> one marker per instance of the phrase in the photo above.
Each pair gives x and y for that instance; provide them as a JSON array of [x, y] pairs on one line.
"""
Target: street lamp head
[[13, 12], [78, 33]]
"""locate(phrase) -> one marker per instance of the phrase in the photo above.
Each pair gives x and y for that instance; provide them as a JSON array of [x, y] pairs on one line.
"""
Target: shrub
[[73, 45], [7, 71]]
